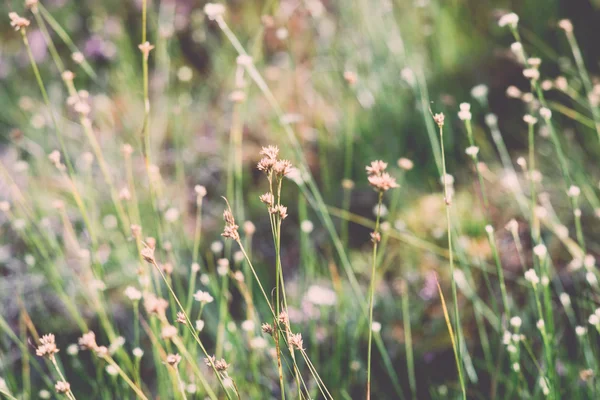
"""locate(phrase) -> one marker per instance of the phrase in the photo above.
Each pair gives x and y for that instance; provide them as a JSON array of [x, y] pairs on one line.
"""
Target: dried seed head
[[148, 254]]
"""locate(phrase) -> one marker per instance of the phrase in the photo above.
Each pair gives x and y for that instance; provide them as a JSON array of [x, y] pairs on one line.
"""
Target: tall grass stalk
[[439, 119]]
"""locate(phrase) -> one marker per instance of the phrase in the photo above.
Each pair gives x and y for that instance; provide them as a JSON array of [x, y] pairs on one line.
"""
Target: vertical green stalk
[[448, 202], [410, 363], [372, 291]]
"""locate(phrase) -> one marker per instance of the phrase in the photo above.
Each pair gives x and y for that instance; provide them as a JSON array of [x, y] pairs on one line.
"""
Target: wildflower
[[18, 22], [222, 266], [439, 119], [88, 341], [514, 92], [517, 49], [4, 206], [376, 168], [565, 25], [530, 119], [515, 322], [31, 4], [72, 350], [465, 112], [283, 318], [383, 182], [249, 228], [146, 48], [214, 10], [112, 370], [534, 62], [376, 327], [267, 198], [248, 325], [348, 184], [405, 164], [203, 297], [280, 210], [295, 340], [472, 151], [545, 113], [168, 332], [516, 367], [531, 73], [541, 251], [375, 237], [231, 229], [350, 77], [511, 20], [574, 191], [62, 387], [267, 328], [282, 167], [594, 320], [531, 276], [132, 293], [580, 330], [47, 347], [306, 226], [199, 325], [137, 352], [155, 305], [220, 365], [540, 325], [173, 360], [181, 317], [565, 299]]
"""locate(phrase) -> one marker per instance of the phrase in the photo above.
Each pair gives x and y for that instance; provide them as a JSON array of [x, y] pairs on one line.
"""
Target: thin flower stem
[[123, 375], [448, 201], [372, 292], [62, 377], [190, 326]]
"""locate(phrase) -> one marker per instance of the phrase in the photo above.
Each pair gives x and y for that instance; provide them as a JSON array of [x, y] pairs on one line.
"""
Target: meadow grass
[[168, 235]]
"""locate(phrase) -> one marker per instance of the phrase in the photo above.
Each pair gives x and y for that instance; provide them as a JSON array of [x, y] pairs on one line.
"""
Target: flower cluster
[[380, 180], [220, 365], [88, 342], [270, 163], [47, 346], [231, 228]]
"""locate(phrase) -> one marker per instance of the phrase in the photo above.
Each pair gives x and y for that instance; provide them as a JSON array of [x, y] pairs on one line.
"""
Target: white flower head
[[516, 322], [531, 277], [472, 151], [511, 20], [214, 10], [540, 251]]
